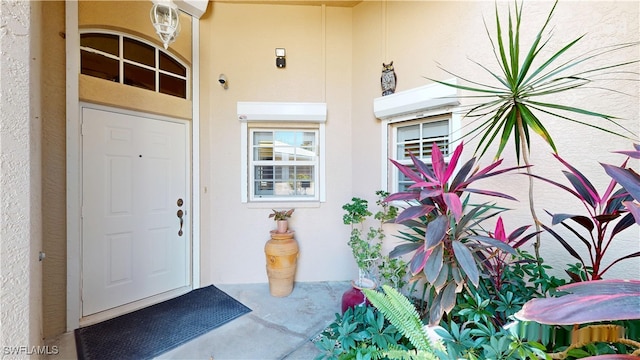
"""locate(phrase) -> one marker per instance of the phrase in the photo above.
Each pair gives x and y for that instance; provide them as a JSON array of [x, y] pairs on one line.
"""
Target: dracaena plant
[[445, 228], [521, 98], [605, 218], [629, 180], [495, 260]]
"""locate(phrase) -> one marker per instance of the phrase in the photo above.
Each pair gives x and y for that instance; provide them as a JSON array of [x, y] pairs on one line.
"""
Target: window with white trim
[[282, 152], [417, 137], [412, 120], [283, 164]]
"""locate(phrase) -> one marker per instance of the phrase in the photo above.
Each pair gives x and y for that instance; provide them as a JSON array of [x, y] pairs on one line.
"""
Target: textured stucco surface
[[20, 272], [335, 57], [452, 34], [341, 67], [54, 218]]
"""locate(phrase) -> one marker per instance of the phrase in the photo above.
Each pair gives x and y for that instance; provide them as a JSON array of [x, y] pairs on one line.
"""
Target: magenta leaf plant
[[629, 180], [612, 357], [496, 258], [445, 237], [586, 302], [605, 218]]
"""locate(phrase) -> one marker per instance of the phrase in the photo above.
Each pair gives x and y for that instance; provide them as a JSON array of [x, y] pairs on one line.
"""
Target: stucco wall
[[132, 18], [54, 169], [334, 55], [419, 35], [20, 217], [416, 35], [241, 40]]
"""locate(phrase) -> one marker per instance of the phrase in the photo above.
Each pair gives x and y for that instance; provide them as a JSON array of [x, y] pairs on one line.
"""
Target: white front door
[[134, 187]]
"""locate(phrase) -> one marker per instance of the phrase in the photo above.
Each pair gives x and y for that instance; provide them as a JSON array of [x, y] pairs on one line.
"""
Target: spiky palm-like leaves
[[512, 108], [403, 315], [516, 105]]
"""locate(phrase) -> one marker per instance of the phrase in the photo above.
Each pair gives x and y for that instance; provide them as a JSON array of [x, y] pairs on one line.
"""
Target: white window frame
[[429, 101], [254, 162], [393, 175], [281, 116]]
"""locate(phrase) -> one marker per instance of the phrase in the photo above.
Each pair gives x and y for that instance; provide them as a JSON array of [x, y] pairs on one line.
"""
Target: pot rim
[[364, 283]]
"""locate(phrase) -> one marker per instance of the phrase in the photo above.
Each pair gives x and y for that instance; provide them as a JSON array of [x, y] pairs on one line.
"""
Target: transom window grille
[[417, 137], [133, 62], [283, 164]]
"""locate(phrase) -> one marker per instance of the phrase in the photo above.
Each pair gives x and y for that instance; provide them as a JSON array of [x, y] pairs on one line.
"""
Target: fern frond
[[402, 314]]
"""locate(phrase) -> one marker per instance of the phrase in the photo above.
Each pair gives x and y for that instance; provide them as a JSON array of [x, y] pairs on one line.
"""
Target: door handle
[[180, 215]]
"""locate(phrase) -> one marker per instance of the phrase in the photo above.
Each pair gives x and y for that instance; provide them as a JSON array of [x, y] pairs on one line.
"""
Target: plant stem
[[525, 158]]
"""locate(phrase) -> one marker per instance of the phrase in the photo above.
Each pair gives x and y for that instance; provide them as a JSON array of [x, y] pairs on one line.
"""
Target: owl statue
[[388, 79]]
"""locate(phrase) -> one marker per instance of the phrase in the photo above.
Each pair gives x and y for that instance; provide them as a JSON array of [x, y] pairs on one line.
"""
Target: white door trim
[[74, 185], [74, 165], [195, 152]]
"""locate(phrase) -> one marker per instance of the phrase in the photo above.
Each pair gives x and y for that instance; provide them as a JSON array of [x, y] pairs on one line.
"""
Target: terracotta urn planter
[[281, 252]]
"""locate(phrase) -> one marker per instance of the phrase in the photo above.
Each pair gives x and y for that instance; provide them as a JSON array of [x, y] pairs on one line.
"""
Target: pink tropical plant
[[606, 217], [495, 260], [589, 302], [629, 180], [434, 184], [596, 300], [445, 227], [586, 302]]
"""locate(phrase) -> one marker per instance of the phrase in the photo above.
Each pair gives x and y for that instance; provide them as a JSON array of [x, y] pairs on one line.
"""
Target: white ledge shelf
[[282, 111], [415, 100]]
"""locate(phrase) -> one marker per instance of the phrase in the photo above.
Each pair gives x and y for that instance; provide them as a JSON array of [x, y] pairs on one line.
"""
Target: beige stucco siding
[[133, 18], [421, 35], [20, 175], [54, 204], [241, 44], [334, 55]]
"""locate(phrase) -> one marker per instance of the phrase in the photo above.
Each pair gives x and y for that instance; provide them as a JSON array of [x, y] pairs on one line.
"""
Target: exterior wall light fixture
[[281, 61], [166, 20]]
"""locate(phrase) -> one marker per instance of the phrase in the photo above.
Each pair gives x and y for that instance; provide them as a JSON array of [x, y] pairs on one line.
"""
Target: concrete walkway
[[276, 328]]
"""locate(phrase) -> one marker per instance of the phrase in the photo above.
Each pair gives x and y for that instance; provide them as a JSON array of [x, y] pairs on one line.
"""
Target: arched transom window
[[130, 61]]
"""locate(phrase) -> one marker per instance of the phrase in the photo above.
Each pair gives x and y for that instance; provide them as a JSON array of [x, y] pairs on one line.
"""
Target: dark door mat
[[149, 332]]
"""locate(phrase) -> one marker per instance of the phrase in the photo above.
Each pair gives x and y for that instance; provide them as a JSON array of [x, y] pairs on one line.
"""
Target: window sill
[[283, 204]]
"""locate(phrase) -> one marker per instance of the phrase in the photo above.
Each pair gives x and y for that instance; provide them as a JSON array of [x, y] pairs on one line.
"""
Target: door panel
[[134, 171]]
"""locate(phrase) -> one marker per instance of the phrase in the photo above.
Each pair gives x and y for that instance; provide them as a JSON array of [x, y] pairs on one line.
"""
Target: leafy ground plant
[[366, 246], [361, 332], [402, 314], [481, 325]]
